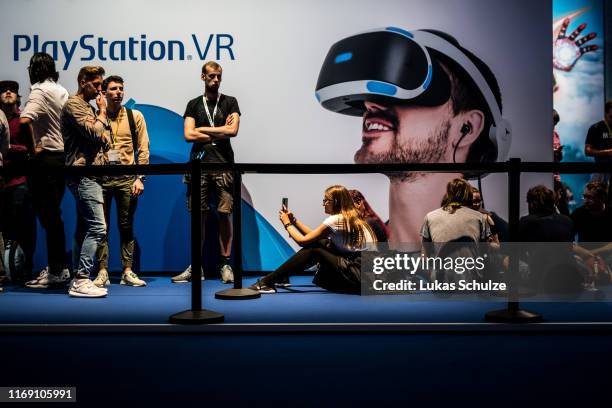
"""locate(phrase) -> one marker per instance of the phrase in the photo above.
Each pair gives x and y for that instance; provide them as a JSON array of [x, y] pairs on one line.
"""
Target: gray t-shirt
[[441, 226]]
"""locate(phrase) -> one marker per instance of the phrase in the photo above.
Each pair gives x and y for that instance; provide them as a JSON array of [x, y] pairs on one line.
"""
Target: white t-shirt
[[4, 136], [44, 108], [339, 236]]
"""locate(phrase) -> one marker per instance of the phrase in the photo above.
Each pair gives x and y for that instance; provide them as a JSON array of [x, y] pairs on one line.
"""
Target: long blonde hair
[[354, 224]]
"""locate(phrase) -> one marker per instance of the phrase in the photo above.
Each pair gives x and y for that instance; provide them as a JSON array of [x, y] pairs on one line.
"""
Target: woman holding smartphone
[[335, 245]]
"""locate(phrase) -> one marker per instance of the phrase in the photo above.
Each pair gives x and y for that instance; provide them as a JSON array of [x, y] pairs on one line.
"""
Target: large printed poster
[[579, 74], [317, 82]]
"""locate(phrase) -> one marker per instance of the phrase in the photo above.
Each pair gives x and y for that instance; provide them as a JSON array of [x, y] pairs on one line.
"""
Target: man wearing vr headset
[[423, 99]]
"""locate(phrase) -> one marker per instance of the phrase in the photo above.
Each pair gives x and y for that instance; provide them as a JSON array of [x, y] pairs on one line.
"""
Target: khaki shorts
[[222, 185]]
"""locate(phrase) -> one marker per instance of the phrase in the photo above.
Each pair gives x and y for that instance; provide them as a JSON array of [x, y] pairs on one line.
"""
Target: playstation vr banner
[[391, 81]]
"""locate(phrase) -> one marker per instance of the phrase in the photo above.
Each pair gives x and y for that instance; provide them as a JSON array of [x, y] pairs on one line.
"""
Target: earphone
[[465, 129]]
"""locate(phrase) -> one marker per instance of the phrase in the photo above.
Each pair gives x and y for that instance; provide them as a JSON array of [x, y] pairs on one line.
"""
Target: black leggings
[[337, 272]]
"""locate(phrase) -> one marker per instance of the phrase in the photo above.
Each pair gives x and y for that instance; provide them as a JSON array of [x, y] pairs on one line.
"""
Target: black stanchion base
[[512, 316], [196, 317], [237, 294]]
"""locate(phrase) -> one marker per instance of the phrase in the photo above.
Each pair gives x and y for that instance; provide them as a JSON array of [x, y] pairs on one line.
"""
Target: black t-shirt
[[599, 137], [592, 228], [219, 151], [545, 228]]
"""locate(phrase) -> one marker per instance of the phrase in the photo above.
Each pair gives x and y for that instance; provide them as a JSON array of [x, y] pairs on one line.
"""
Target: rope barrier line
[[27, 169]]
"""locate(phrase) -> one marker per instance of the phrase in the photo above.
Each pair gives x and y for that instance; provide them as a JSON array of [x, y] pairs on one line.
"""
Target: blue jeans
[[91, 228]]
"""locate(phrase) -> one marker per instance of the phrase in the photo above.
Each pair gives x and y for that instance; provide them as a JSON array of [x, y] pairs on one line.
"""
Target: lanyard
[[115, 134], [210, 119], [609, 130]]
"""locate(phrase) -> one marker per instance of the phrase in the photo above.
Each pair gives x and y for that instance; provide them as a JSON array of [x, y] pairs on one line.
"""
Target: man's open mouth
[[377, 125]]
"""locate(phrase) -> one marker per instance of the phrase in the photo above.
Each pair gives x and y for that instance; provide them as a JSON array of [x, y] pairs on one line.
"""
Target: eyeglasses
[[326, 200]]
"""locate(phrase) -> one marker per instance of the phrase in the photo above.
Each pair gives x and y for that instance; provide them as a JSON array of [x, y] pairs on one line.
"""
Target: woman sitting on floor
[[336, 245]]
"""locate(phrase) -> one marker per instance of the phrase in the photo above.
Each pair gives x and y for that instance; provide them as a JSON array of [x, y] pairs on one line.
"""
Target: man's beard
[[430, 150]]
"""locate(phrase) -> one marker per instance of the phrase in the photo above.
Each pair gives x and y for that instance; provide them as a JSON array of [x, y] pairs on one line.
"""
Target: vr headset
[[395, 66]]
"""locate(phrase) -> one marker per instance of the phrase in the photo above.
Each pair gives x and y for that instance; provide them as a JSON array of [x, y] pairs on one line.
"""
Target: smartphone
[[285, 204]]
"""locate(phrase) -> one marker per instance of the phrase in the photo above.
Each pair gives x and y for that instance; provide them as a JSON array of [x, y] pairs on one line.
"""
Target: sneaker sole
[[107, 283], [79, 294], [34, 286], [282, 285], [57, 285], [183, 281], [132, 284]]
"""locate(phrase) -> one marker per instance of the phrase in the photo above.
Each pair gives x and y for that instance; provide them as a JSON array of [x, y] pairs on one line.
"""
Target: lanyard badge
[[211, 118]]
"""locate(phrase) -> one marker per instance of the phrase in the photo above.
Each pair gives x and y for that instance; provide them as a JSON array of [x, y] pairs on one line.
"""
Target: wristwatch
[[141, 178]]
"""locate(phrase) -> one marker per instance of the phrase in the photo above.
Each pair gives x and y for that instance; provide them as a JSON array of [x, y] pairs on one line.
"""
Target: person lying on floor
[[335, 245]]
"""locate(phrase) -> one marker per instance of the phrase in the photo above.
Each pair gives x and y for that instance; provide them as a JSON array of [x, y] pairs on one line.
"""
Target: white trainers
[[185, 276], [131, 279], [227, 274], [102, 279], [84, 287], [45, 279]]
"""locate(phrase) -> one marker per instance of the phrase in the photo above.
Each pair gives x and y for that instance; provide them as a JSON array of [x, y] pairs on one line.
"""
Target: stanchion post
[[196, 315], [237, 292], [513, 313]]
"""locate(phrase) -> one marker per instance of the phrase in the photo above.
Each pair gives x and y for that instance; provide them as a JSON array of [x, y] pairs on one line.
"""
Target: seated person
[[552, 267], [477, 206], [339, 257], [368, 214], [454, 222], [592, 223]]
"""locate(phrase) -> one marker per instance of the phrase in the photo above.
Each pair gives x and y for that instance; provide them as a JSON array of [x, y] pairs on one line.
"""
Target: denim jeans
[[91, 228]]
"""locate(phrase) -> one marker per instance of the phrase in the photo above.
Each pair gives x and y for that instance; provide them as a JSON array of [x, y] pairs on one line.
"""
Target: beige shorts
[[222, 185]]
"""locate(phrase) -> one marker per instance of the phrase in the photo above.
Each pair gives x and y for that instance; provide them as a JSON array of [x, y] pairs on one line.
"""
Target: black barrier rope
[[513, 167]]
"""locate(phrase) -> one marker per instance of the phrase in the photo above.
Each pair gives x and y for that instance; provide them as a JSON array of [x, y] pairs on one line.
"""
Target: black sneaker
[[284, 283], [262, 287]]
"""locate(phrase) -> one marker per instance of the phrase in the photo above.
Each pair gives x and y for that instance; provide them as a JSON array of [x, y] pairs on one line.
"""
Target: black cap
[[12, 85]]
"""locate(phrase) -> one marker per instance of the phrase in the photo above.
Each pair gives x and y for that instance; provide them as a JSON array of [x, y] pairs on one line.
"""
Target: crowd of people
[[54, 130], [57, 129]]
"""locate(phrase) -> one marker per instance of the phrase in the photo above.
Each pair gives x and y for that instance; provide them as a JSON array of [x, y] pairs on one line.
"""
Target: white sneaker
[[102, 279], [45, 279], [131, 279], [227, 274], [185, 276], [85, 288]]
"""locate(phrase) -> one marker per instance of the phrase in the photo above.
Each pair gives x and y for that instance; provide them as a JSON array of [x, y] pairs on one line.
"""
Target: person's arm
[[589, 150], [602, 250], [303, 228], [593, 152], [27, 131], [4, 136], [34, 107], [426, 240], [143, 151], [93, 128], [230, 129], [193, 135], [322, 231]]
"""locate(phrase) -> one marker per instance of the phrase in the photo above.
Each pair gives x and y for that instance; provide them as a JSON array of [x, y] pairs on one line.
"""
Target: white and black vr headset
[[395, 64]]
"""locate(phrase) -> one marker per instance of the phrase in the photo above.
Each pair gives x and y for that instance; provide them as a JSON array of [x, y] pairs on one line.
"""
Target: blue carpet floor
[[302, 303]]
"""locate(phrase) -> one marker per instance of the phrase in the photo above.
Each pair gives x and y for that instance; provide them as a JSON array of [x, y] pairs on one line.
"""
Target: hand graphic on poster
[[568, 50]]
